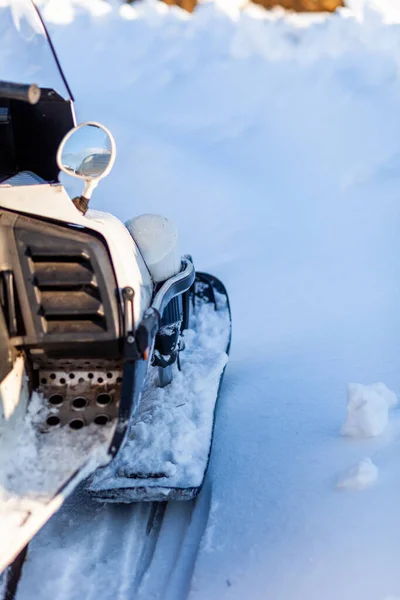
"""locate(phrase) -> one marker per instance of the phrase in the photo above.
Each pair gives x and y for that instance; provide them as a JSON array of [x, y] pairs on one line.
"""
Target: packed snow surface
[[273, 141], [367, 409]]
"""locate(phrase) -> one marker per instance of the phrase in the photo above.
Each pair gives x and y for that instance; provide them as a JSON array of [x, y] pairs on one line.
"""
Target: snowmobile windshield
[[26, 54]]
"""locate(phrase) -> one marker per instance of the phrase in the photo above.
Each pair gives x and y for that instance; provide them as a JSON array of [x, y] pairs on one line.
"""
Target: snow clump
[[367, 409], [359, 477]]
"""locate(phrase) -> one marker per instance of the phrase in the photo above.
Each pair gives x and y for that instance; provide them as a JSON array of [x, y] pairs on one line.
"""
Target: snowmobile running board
[[166, 453]]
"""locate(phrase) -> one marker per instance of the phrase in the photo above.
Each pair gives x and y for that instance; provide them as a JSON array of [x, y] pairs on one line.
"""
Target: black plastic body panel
[[66, 288], [30, 136]]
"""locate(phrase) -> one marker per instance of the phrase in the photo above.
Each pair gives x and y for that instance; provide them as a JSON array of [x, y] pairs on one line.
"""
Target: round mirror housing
[[87, 152]]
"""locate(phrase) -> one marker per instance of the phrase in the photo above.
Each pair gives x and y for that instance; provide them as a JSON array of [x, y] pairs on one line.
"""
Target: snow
[[34, 465], [274, 144], [368, 409], [23, 47], [359, 477], [170, 436]]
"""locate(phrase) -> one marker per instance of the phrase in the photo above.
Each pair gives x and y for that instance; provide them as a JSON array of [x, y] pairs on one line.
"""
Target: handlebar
[[17, 91]]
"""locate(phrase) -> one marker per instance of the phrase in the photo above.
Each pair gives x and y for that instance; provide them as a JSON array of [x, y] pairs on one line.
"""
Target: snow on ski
[[168, 445]]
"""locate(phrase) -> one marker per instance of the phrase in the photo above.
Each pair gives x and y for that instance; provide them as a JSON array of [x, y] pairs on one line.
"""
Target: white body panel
[[52, 201]]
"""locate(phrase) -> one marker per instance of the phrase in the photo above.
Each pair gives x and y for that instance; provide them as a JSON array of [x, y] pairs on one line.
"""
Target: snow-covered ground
[[274, 143]]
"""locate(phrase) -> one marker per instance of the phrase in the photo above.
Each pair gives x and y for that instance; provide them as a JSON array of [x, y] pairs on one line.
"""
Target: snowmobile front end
[[78, 322], [76, 328]]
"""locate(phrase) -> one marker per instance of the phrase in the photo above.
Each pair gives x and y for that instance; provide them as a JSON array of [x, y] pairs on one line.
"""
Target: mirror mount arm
[[82, 202]]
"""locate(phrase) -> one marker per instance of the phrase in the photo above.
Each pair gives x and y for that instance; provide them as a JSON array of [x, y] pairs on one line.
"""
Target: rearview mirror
[[87, 152]]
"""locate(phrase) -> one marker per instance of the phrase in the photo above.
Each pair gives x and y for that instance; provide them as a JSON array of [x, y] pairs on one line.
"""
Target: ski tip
[[144, 494]]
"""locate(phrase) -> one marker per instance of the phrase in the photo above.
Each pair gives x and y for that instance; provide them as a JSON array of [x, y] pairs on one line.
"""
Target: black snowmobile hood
[[26, 52]]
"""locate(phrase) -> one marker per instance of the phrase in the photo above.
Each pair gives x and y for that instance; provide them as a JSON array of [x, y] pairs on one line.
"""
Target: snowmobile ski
[[166, 453]]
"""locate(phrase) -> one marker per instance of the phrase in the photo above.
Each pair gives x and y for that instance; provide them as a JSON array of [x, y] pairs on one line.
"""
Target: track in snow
[[137, 551]]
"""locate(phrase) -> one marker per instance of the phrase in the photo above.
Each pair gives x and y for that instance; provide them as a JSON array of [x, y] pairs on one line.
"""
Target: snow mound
[[359, 477], [367, 409]]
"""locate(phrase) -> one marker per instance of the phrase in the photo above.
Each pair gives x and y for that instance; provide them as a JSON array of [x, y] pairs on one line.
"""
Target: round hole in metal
[[53, 376], [101, 420], [79, 403], [62, 380], [90, 375], [76, 423], [53, 421], [109, 375], [43, 380], [72, 375], [100, 380], [56, 400], [103, 399]]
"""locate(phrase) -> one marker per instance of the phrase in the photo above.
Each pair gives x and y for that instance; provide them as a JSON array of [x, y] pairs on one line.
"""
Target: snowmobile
[[112, 346]]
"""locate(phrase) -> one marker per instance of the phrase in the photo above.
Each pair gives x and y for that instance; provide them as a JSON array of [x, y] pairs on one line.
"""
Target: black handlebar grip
[[17, 91]]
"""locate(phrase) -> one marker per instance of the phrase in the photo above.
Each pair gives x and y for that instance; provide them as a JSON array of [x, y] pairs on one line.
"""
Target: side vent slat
[[70, 303], [56, 274]]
